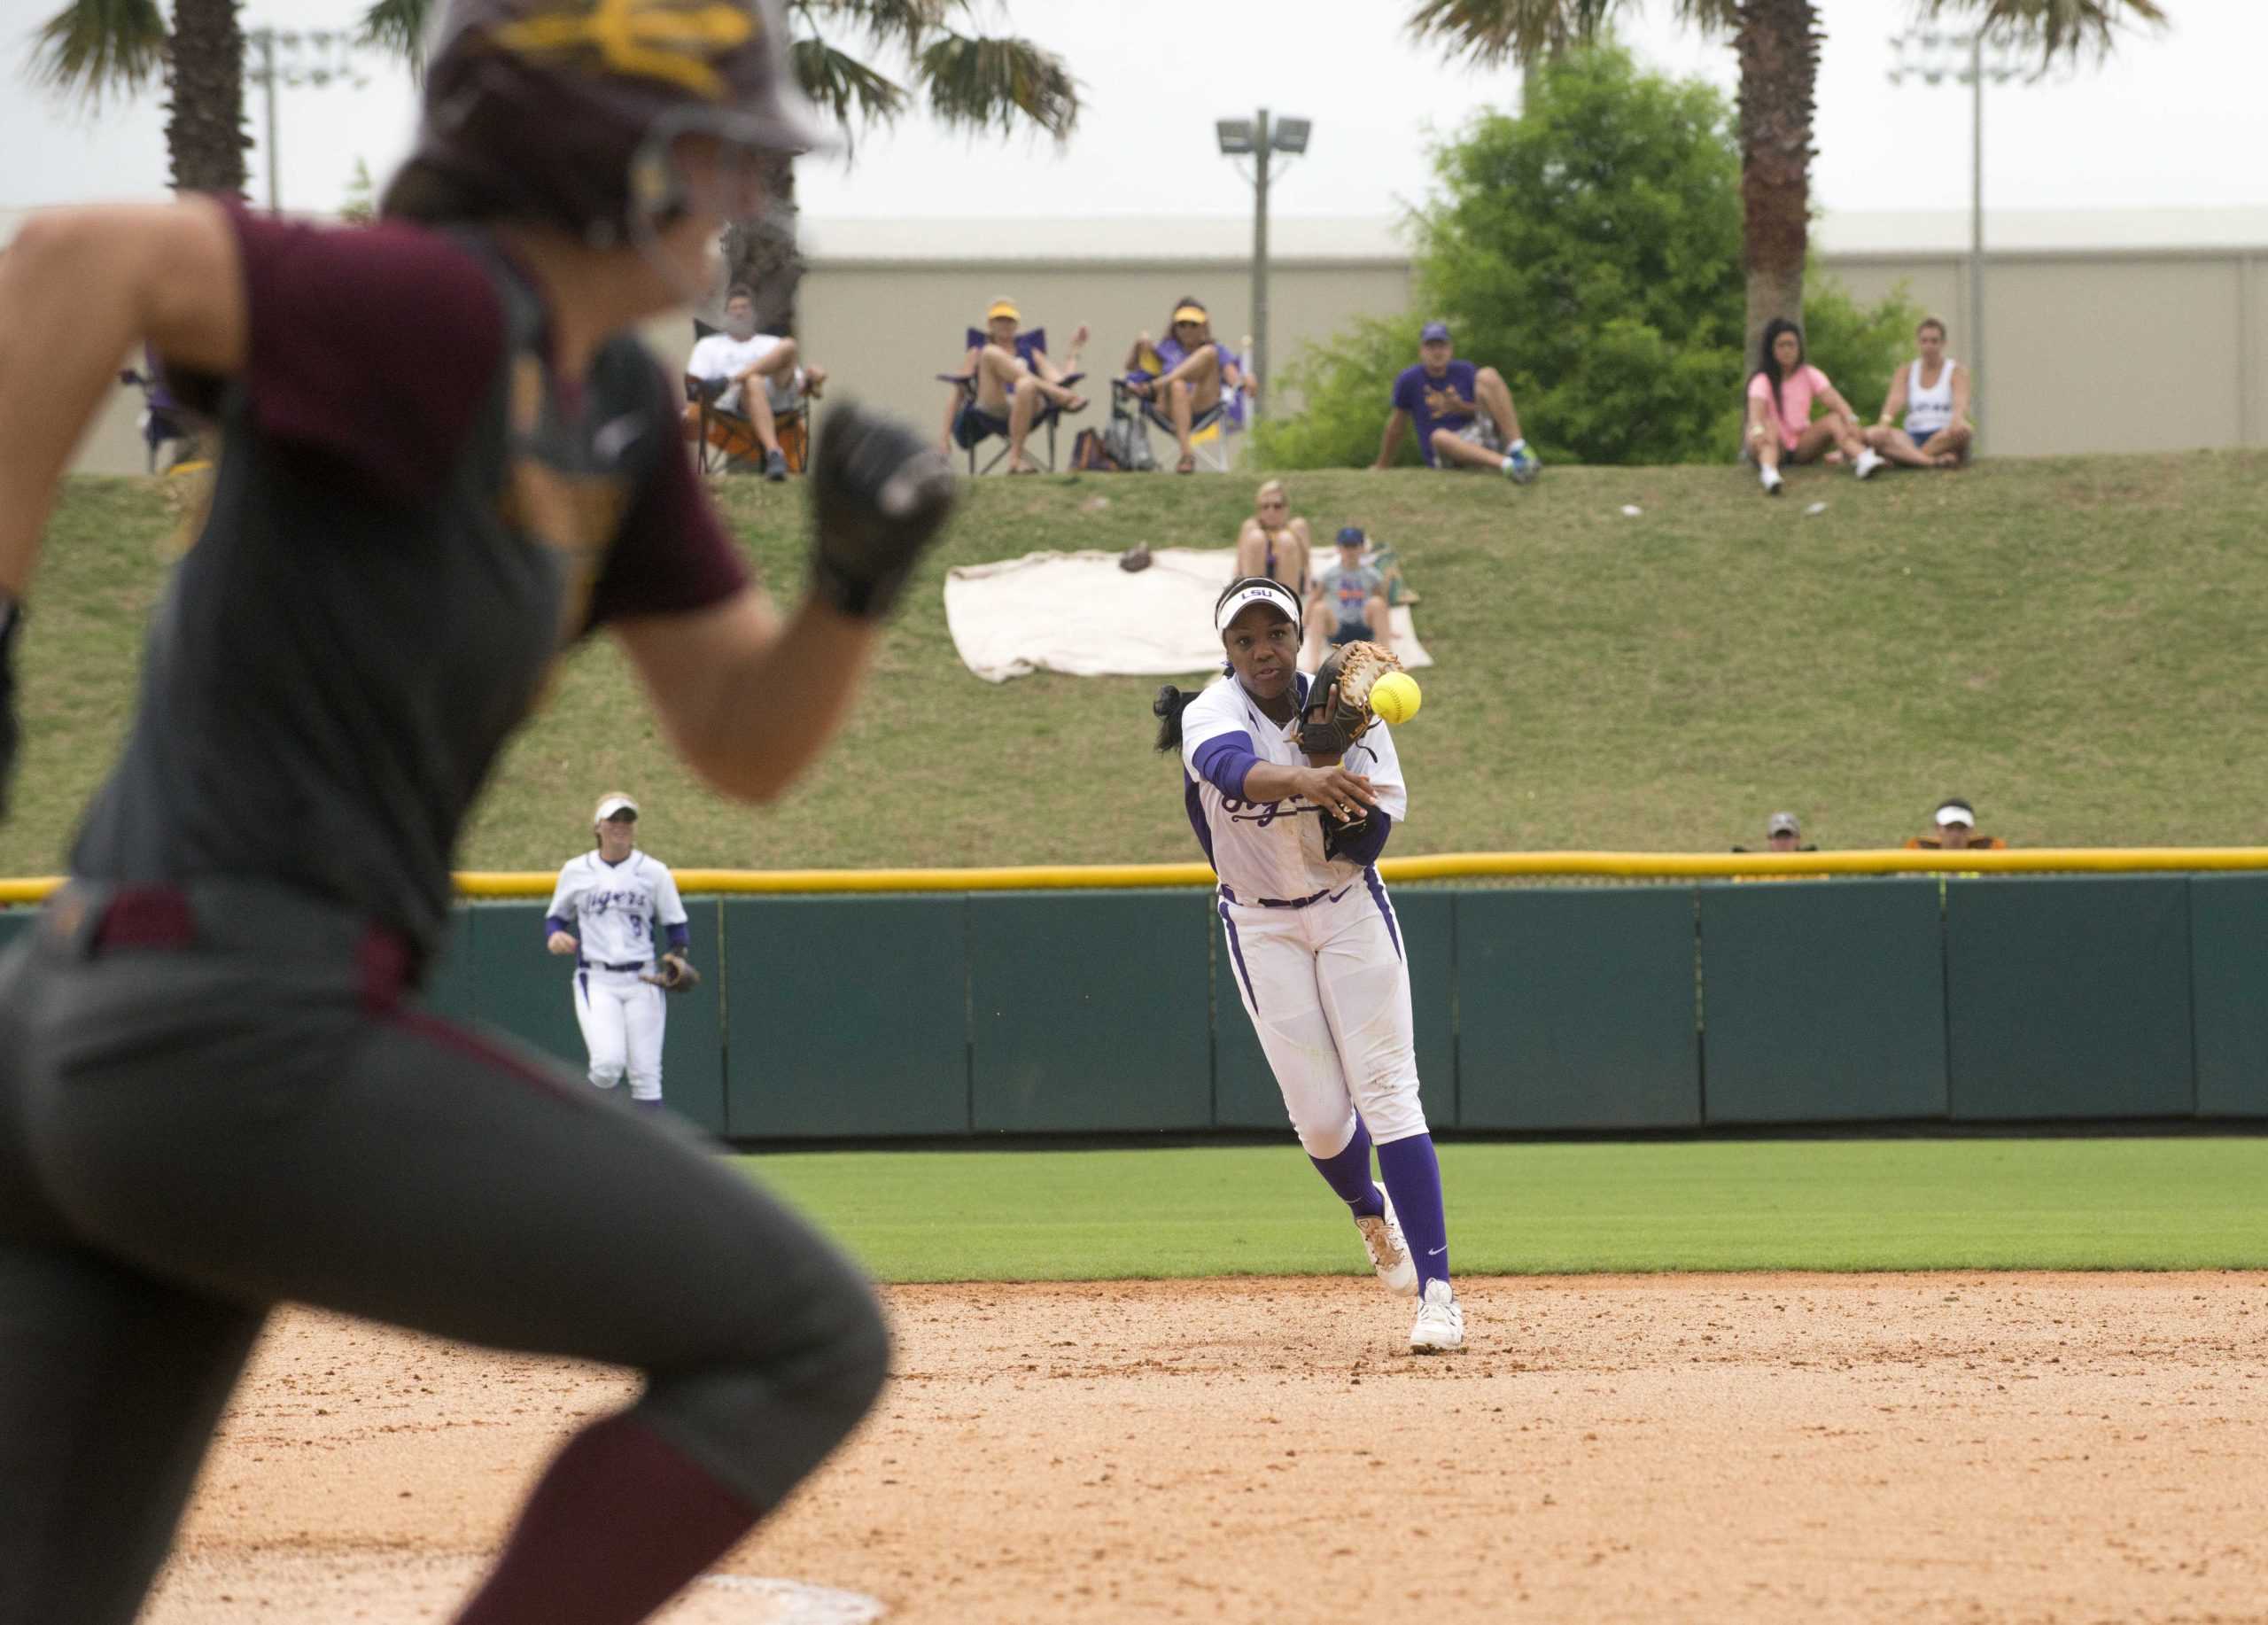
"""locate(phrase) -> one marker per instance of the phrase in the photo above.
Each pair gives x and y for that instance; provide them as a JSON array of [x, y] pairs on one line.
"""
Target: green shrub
[[1591, 251]]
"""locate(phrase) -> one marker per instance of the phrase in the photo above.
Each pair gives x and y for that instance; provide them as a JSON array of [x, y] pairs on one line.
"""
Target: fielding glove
[[1339, 699], [674, 974], [878, 494]]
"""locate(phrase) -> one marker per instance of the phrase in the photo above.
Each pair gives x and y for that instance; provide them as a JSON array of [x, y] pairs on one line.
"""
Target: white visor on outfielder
[[612, 803], [1954, 812], [1260, 592]]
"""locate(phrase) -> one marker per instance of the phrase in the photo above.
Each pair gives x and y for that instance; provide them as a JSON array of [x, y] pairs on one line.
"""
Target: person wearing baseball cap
[[1465, 414], [1954, 829], [1784, 832], [1005, 381], [1350, 602]]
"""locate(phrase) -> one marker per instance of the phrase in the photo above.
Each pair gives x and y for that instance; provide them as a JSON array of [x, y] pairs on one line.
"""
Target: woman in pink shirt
[[1780, 394]]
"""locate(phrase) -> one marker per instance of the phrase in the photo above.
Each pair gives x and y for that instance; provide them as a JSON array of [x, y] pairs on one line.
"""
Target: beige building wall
[[2088, 350]]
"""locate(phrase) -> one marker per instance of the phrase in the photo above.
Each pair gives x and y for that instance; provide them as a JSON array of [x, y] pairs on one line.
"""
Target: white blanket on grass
[[1080, 614]]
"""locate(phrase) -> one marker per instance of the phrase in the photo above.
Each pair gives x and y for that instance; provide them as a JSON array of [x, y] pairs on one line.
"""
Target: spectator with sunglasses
[[1184, 373]]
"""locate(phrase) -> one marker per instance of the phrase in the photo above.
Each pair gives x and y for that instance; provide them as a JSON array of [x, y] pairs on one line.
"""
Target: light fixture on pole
[[1260, 140], [295, 57], [1970, 59]]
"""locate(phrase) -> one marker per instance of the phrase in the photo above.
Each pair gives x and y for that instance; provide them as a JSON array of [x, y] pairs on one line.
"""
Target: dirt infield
[[1940, 1448]]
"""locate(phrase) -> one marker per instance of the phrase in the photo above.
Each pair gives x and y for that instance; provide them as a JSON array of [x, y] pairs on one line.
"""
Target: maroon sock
[[619, 1524]]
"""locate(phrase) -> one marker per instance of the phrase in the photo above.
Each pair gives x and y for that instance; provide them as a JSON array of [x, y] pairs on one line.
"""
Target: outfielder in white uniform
[[604, 911], [1313, 938]]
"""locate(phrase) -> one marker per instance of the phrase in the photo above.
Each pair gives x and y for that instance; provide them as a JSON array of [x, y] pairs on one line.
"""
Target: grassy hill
[[2076, 644]]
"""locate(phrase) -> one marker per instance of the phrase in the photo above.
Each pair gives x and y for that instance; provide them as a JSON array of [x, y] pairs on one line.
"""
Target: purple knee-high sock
[[1348, 1173], [1413, 1179]]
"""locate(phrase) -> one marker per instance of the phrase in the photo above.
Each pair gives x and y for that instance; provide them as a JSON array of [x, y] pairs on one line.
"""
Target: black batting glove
[[11, 621], [878, 494]]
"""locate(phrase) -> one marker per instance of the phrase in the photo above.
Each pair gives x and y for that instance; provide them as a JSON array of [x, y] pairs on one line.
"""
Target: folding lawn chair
[[164, 421], [1207, 437], [725, 443], [973, 425]]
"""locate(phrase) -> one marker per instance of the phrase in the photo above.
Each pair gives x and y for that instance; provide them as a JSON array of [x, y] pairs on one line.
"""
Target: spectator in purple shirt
[[1184, 372], [1463, 413]]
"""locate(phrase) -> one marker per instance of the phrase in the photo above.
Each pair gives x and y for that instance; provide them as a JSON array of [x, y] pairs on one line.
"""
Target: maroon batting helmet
[[566, 111]]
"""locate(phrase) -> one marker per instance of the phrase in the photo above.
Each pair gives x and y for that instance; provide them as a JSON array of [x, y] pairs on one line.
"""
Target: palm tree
[[95, 48], [1778, 43], [971, 81]]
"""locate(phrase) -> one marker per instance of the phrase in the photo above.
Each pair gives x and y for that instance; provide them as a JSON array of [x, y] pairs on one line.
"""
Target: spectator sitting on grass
[[763, 381], [1275, 542], [1955, 830], [1465, 414], [1183, 373], [1780, 394], [1009, 388], [1932, 393], [1349, 602]]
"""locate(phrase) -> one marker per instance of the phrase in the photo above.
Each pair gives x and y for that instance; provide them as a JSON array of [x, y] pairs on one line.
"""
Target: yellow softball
[[1396, 696]]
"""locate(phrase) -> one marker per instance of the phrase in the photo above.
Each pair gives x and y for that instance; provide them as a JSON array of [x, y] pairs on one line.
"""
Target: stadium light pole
[[315, 57], [1260, 140], [1933, 58]]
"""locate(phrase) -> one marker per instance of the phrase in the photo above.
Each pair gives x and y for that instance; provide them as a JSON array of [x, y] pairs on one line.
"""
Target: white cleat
[[1869, 460], [1440, 1325], [1771, 481], [1389, 1253]]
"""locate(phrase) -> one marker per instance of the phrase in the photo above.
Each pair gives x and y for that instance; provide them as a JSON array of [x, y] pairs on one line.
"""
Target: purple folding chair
[[165, 421], [973, 425]]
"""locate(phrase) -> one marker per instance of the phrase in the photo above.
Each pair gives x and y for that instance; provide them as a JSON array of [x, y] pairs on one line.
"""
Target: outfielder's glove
[[879, 493], [674, 974], [1339, 699], [12, 620]]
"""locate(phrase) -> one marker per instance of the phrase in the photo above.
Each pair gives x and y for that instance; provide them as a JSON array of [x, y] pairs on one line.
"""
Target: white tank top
[[1927, 410]]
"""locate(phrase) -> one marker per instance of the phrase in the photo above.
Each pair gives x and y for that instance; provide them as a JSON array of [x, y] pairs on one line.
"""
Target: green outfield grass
[[2072, 642], [2176, 1203]]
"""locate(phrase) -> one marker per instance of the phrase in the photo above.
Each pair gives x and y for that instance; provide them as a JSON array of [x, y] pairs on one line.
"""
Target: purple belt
[[1312, 896]]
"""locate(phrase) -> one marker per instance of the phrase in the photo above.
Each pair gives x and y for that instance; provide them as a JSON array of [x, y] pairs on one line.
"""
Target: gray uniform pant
[[214, 1100]]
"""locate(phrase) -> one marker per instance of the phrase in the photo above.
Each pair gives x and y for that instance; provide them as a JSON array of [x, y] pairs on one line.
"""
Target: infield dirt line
[[1955, 1446]]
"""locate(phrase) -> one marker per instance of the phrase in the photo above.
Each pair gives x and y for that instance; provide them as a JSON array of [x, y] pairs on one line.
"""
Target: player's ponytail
[[1167, 708]]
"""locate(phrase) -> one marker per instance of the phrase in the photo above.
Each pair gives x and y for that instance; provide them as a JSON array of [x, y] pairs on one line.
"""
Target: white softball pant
[[622, 1018], [1328, 993]]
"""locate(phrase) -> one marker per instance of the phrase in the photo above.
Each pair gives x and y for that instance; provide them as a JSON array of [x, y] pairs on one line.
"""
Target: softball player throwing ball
[[1311, 933], [218, 1089], [604, 911]]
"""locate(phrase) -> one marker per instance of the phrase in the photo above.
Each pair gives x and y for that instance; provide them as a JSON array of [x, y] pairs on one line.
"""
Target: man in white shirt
[[742, 359]]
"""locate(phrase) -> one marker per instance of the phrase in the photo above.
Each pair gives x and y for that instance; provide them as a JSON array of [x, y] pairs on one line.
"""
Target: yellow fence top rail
[[1440, 865]]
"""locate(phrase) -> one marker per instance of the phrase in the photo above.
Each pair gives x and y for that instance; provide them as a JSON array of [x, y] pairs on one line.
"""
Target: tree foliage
[[1590, 250]]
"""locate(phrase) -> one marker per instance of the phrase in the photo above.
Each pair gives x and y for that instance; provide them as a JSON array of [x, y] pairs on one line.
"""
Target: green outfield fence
[[1895, 986]]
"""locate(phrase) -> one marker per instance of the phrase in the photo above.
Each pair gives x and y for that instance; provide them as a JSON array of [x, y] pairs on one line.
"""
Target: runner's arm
[[78, 289]]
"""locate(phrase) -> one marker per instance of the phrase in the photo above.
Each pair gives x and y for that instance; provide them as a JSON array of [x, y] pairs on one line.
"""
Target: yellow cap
[[1189, 313], [1003, 307]]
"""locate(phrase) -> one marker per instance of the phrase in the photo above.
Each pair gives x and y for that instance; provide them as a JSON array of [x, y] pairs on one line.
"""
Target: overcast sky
[[2176, 119]]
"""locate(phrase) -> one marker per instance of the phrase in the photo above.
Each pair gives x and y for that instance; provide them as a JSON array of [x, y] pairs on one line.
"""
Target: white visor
[[1955, 815], [1260, 592], [612, 803]]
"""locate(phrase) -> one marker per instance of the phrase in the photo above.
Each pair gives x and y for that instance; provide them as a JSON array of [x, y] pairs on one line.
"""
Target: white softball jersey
[[1313, 940], [611, 909], [1274, 848]]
